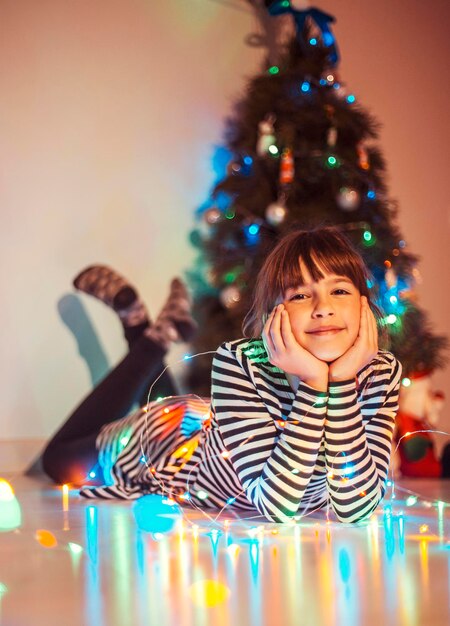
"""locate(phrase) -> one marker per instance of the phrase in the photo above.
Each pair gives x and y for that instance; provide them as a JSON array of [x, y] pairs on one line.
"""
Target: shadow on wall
[[74, 316]]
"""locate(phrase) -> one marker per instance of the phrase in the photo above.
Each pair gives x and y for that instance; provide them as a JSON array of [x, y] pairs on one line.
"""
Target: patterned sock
[[107, 285], [174, 322]]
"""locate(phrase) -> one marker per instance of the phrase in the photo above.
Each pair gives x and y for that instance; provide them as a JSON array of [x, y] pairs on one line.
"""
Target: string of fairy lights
[[214, 518]]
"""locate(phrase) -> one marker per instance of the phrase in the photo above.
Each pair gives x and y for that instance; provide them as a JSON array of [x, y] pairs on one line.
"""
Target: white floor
[[115, 563]]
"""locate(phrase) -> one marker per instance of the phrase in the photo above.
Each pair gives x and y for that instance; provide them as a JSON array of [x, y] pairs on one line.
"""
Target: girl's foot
[[174, 322], [107, 285]]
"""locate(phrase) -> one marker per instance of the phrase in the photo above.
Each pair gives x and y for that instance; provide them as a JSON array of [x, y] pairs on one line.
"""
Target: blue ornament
[[154, 514]]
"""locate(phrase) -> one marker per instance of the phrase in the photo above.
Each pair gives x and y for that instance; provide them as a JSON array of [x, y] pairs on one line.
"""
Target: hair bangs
[[334, 258], [290, 271]]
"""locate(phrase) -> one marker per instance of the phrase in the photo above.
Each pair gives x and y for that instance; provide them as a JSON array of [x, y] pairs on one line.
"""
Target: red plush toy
[[419, 411]]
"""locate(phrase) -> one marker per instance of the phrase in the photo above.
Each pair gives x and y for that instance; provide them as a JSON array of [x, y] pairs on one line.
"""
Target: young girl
[[302, 410]]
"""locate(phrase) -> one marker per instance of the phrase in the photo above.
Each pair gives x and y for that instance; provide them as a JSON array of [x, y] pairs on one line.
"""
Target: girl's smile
[[325, 314]]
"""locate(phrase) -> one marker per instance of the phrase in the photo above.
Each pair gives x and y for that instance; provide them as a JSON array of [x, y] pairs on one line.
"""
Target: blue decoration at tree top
[[322, 20]]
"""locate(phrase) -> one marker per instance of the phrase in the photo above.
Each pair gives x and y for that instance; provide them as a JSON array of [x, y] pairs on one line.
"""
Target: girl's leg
[[73, 446], [71, 453]]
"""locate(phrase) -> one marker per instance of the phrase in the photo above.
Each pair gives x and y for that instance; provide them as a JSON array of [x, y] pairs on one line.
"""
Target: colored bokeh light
[[46, 538], [208, 593]]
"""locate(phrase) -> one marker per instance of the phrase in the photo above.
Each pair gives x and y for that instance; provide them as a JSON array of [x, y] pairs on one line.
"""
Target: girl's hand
[[362, 351], [286, 353]]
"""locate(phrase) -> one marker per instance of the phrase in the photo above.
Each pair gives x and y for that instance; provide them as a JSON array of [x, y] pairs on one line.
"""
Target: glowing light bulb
[[423, 528], [65, 497], [75, 548], [10, 512], [274, 69], [225, 454], [391, 319], [202, 494], [305, 86], [233, 549], [273, 149], [143, 459], [187, 357], [313, 42], [406, 382], [350, 98], [332, 160], [411, 500], [92, 474], [248, 160], [6, 491], [46, 538], [231, 500], [124, 441], [371, 194], [367, 235], [253, 229], [393, 300]]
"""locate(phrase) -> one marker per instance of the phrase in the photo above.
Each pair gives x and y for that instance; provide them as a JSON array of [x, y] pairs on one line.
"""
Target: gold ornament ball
[[230, 296], [348, 198], [276, 213]]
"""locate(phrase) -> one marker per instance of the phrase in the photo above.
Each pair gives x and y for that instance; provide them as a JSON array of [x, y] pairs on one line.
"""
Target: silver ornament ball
[[348, 198], [230, 296], [212, 216], [276, 213]]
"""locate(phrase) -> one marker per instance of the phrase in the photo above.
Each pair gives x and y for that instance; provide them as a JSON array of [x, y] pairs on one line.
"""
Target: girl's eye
[[297, 296], [341, 291]]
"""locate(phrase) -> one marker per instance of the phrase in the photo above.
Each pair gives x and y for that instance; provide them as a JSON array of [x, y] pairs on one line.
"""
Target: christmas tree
[[303, 153]]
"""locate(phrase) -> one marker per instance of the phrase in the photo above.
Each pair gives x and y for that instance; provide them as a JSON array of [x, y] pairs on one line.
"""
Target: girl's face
[[324, 315]]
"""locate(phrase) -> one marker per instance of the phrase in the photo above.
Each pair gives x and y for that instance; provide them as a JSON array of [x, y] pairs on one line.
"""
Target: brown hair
[[325, 246]]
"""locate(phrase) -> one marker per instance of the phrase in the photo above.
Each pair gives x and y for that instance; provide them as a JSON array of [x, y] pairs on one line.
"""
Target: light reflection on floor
[[115, 563]]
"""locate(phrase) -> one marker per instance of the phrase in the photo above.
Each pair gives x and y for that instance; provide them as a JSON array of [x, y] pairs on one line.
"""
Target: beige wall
[[109, 112]]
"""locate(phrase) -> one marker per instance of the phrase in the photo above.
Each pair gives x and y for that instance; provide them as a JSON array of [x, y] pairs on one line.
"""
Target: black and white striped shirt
[[262, 447]]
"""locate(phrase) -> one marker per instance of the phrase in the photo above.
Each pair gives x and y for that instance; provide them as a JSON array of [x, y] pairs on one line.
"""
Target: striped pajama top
[[258, 445]]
